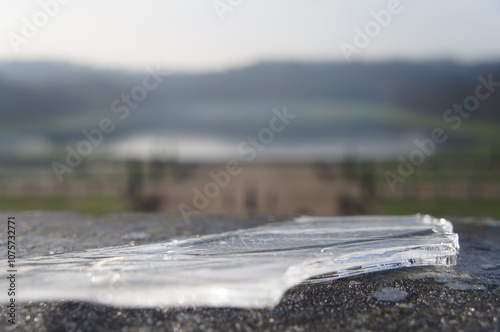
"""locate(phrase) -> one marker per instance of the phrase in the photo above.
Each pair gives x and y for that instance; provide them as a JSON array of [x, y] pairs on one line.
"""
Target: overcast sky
[[190, 34]]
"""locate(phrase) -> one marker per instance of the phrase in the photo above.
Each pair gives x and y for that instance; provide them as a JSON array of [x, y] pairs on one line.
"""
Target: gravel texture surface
[[465, 297]]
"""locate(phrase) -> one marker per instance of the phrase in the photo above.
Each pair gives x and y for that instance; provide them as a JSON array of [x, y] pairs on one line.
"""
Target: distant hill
[[55, 101]]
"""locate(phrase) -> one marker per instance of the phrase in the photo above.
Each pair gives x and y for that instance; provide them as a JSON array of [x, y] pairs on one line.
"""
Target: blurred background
[[250, 107]]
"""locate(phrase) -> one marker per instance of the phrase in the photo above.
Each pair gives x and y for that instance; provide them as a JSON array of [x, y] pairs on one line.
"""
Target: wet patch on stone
[[390, 294]]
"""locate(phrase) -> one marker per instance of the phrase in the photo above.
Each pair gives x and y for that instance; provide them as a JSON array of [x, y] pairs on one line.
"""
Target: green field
[[440, 207], [93, 205], [101, 205]]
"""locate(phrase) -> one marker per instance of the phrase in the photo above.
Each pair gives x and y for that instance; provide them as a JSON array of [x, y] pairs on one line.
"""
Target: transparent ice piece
[[245, 268]]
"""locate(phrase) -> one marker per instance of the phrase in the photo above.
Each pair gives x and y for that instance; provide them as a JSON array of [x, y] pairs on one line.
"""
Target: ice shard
[[245, 268]]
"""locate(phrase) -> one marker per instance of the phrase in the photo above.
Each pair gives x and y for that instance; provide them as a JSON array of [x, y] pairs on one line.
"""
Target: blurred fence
[[321, 188]]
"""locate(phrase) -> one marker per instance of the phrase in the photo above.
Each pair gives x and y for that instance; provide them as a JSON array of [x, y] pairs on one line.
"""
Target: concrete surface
[[461, 298]]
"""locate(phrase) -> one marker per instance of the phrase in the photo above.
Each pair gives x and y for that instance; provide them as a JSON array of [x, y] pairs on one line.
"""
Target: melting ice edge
[[246, 268]]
